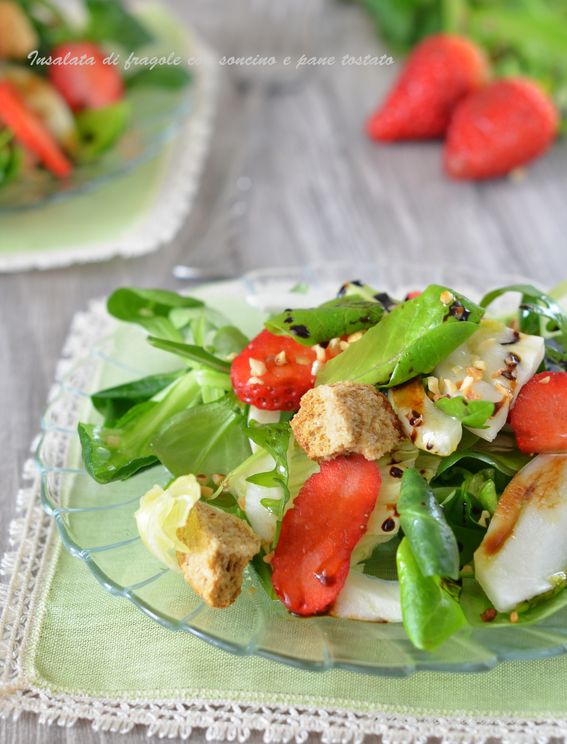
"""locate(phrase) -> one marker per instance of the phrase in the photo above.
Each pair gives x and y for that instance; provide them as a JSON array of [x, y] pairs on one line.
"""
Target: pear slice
[[525, 546], [369, 598]]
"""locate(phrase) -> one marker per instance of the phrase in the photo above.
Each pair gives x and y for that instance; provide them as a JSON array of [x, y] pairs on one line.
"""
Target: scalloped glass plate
[[157, 115], [97, 525]]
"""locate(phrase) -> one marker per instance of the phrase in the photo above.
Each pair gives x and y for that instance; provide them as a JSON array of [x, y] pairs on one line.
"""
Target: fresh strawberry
[[539, 415], [329, 516], [29, 131], [439, 72], [85, 86], [499, 128], [273, 372]]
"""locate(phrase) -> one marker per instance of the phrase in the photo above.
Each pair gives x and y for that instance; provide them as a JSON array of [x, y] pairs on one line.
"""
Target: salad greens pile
[[191, 422], [522, 37]]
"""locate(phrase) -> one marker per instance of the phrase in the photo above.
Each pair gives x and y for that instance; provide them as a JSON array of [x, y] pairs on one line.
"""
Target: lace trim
[[34, 548], [175, 197]]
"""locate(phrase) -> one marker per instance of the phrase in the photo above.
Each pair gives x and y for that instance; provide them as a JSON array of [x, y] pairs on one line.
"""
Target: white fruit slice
[[423, 423], [494, 364], [525, 547], [368, 598]]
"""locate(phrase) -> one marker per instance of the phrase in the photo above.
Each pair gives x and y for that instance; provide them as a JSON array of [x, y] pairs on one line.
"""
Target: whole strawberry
[[499, 128], [439, 72]]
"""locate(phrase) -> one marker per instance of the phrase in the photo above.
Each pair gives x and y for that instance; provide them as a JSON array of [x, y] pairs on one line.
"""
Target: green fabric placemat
[[95, 644]]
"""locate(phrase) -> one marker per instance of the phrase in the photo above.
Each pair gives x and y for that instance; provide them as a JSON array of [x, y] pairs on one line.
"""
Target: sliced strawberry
[[89, 85], [329, 516], [499, 128], [273, 372], [29, 131], [439, 72], [539, 415]]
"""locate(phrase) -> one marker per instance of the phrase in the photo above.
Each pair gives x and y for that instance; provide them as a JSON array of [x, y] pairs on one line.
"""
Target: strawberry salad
[[372, 458]]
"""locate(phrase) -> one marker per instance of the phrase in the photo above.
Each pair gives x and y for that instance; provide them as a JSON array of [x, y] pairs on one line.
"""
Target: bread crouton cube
[[346, 418], [220, 546]]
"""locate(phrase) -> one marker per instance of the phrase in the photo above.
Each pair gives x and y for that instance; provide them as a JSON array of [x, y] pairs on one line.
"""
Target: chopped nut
[[433, 385], [450, 387], [255, 381], [514, 617], [202, 479], [320, 351], [302, 360], [334, 344], [475, 373], [217, 478], [354, 337], [447, 297], [344, 345], [479, 364], [316, 366], [257, 368], [206, 492], [280, 359], [544, 380]]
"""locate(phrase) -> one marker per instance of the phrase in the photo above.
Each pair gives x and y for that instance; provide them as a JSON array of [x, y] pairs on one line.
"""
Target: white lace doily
[[35, 546], [178, 186]]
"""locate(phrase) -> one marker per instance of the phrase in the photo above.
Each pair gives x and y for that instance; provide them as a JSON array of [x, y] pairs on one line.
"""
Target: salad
[[373, 458], [64, 92]]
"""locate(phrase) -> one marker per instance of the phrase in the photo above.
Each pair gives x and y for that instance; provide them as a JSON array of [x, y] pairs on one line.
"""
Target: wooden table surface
[[319, 190]]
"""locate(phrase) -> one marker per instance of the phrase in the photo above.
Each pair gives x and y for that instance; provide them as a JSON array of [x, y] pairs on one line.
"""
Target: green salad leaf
[[170, 77], [116, 401], [150, 308], [423, 522], [339, 317], [99, 129], [195, 354], [275, 439], [410, 340], [110, 21], [431, 612], [473, 413], [536, 302], [228, 340], [501, 454], [119, 451], [208, 438]]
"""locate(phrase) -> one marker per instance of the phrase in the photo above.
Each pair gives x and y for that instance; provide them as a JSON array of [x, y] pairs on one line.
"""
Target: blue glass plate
[[97, 525]]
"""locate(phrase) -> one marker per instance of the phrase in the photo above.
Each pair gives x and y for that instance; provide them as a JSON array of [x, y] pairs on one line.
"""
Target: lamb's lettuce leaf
[[115, 402], [117, 452], [339, 317], [207, 438], [473, 413], [150, 308], [410, 340], [192, 352], [432, 541], [430, 608]]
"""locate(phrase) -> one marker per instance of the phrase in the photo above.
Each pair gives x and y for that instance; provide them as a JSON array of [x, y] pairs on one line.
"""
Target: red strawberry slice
[[499, 128], [329, 516], [85, 86], [439, 72], [539, 415], [30, 131], [273, 372]]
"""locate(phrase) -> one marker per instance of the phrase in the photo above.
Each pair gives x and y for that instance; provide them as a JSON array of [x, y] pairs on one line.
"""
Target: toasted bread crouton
[[345, 418], [220, 547]]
